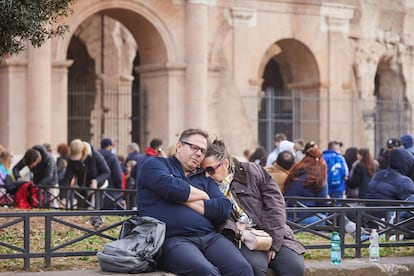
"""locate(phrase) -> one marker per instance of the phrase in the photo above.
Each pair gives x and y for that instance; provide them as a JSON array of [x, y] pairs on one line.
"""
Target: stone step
[[396, 266]]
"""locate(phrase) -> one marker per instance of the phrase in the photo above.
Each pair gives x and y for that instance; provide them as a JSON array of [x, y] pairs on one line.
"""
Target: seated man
[[176, 191]]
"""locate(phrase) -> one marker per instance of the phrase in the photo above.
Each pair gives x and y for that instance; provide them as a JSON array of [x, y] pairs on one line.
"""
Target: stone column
[[335, 21], [13, 86], [39, 96], [197, 63], [59, 122]]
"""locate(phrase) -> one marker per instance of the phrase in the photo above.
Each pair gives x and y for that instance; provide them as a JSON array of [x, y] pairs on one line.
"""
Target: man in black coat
[[43, 170], [115, 179], [41, 165]]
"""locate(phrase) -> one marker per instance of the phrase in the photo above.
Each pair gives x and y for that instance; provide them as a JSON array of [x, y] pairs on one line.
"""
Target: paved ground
[[396, 266]]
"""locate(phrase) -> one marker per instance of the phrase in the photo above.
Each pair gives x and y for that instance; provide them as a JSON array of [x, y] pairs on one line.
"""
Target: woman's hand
[[240, 226], [270, 255]]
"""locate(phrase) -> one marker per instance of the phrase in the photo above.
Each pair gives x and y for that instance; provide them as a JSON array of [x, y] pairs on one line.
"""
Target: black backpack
[[137, 247]]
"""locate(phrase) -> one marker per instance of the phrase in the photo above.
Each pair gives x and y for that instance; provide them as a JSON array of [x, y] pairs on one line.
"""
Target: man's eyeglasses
[[195, 148], [211, 170]]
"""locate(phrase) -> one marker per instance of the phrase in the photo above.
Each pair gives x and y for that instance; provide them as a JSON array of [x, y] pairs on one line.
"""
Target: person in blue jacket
[[176, 191], [337, 170]]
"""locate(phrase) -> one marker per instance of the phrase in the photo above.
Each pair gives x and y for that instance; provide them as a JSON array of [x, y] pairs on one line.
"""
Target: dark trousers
[[211, 254], [286, 263]]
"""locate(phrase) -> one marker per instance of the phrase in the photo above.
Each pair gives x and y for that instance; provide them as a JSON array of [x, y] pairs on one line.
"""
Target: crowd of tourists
[[77, 165], [209, 199]]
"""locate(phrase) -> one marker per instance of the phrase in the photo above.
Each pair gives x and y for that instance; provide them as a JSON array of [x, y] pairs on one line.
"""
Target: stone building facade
[[244, 70]]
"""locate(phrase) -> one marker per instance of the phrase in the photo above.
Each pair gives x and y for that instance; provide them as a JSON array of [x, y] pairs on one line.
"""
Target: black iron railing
[[52, 248], [337, 214]]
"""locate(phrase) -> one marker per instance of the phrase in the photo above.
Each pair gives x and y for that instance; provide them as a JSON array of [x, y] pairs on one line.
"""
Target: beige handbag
[[256, 239]]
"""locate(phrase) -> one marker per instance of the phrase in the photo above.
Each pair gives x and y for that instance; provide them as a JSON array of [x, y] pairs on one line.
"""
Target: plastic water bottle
[[335, 249], [374, 246]]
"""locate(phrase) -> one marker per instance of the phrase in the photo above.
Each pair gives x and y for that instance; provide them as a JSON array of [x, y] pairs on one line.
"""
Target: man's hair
[[300, 142], [133, 147], [280, 137], [30, 156], [155, 143], [285, 159], [192, 131], [332, 145]]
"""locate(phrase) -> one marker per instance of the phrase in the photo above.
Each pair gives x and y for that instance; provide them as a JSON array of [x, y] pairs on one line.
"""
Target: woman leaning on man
[[257, 202]]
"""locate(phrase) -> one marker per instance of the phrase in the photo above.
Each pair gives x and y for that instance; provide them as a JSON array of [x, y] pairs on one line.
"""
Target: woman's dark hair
[[30, 156], [350, 156], [367, 160], [314, 166], [259, 155]]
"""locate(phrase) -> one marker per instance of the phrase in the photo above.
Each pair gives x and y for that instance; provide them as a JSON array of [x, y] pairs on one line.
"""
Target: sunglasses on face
[[211, 170], [195, 148]]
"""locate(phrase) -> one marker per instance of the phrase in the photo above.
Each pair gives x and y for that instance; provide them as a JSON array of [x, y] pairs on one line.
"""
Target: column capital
[[202, 2], [243, 17], [62, 63], [335, 17]]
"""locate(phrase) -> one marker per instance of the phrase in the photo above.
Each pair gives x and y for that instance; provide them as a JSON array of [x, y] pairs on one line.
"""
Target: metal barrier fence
[[336, 217], [361, 214], [52, 248], [82, 198]]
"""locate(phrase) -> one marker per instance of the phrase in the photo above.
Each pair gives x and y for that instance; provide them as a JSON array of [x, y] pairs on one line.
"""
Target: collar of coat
[[176, 163], [240, 174]]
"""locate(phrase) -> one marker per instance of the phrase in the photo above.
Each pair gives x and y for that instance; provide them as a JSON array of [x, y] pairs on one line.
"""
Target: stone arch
[[392, 111], [157, 52], [291, 81], [301, 67], [130, 14]]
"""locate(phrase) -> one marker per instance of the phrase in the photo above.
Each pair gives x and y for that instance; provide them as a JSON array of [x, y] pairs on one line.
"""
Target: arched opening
[[104, 85], [393, 112], [291, 87], [82, 90]]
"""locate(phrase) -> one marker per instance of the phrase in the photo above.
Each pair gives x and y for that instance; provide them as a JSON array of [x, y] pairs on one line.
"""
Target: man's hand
[[197, 205], [197, 194], [94, 184]]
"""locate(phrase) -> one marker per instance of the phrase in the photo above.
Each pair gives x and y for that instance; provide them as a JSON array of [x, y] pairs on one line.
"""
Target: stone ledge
[[362, 267], [396, 266]]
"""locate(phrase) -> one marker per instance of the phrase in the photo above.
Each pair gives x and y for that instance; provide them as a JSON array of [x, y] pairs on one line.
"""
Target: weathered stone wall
[[202, 64]]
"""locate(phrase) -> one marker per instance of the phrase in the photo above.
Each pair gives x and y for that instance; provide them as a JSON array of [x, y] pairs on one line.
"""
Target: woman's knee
[[257, 260], [288, 262], [193, 268]]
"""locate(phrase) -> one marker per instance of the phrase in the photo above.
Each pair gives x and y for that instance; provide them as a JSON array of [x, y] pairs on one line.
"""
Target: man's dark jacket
[[45, 173]]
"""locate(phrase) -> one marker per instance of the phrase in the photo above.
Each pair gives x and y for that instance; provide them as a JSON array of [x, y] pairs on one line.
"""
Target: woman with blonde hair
[[6, 159]]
